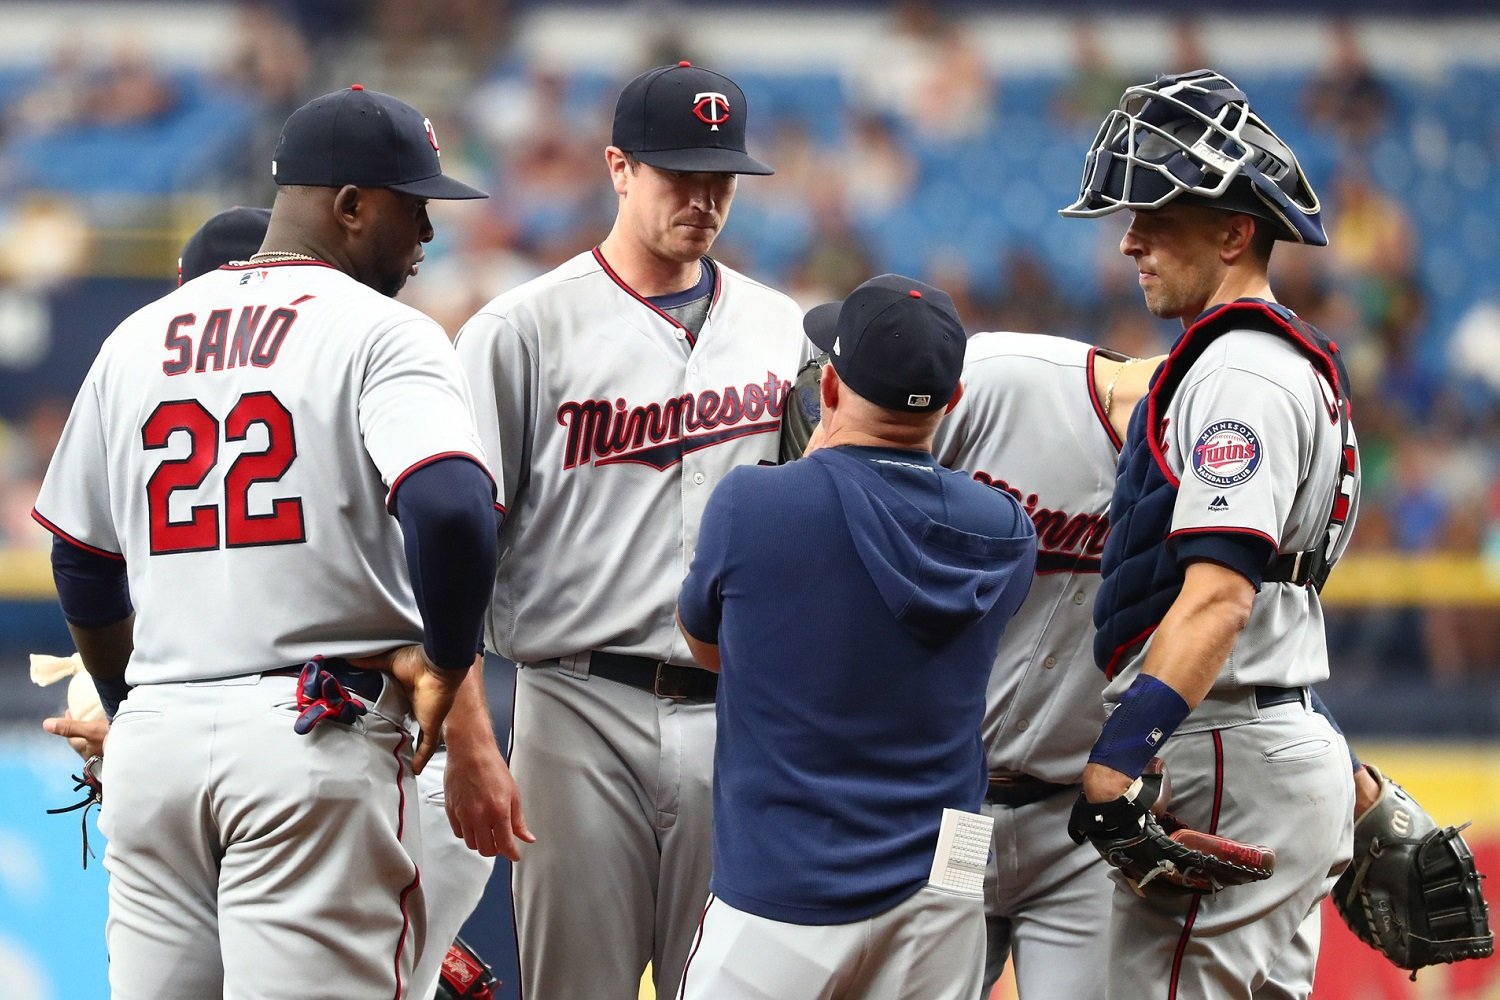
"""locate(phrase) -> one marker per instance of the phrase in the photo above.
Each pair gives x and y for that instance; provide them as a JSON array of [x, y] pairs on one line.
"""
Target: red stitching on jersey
[[39, 519], [1182, 941], [515, 925], [416, 871], [1120, 650], [390, 498], [1210, 530], [1213, 827], [697, 942], [256, 266], [1109, 428], [1213, 822], [599, 256]]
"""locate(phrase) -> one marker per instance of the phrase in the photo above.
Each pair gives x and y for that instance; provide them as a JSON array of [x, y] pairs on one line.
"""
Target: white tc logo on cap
[[712, 108]]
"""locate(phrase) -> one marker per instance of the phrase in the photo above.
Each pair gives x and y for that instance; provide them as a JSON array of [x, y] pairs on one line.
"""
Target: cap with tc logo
[[362, 137], [895, 341], [685, 118]]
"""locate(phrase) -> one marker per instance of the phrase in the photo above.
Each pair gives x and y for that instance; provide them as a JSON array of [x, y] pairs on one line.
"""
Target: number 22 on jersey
[[200, 531]]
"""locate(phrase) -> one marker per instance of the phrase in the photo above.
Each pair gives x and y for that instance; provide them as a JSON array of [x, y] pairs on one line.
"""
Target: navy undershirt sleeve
[[93, 590], [1248, 555], [447, 516]]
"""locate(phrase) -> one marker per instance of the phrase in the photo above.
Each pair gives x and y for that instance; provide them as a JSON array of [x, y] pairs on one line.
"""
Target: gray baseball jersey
[[241, 431], [236, 443], [1030, 422], [1253, 436], [608, 425]]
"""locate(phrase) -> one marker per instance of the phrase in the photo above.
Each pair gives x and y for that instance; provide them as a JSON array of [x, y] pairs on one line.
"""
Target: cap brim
[[440, 187], [820, 323], [709, 160]]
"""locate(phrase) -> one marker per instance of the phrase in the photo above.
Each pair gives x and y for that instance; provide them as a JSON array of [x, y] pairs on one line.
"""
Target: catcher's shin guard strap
[[1148, 714]]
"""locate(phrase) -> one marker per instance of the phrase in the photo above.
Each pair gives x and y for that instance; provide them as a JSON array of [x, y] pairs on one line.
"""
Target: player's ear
[[350, 207], [619, 168], [958, 393], [828, 388], [1239, 236]]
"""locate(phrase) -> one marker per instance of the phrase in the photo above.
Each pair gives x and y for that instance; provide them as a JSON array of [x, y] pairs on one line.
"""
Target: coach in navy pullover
[[853, 601]]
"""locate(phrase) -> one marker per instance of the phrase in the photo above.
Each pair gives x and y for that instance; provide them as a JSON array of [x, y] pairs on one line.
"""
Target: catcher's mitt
[[464, 975], [92, 785], [1412, 892], [804, 407], [1159, 854]]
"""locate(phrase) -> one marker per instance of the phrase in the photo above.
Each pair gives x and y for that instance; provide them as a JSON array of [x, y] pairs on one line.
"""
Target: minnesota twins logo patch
[[1226, 454]]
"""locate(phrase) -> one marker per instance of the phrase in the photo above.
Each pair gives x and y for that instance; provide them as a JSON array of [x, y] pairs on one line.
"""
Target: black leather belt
[[665, 680], [1015, 790], [1266, 696], [366, 683]]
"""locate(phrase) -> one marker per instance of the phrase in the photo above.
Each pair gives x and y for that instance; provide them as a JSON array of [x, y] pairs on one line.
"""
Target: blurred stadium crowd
[[923, 158]]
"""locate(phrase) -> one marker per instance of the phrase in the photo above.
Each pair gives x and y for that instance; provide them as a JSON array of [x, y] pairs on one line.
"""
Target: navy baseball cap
[[363, 137], [233, 234], [895, 341], [685, 118]]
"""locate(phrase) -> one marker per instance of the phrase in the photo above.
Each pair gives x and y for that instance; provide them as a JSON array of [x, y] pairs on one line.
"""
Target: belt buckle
[[656, 686]]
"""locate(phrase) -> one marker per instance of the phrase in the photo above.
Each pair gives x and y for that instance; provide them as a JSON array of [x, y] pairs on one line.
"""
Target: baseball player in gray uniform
[[1237, 483], [230, 571], [462, 829], [613, 394], [1046, 898]]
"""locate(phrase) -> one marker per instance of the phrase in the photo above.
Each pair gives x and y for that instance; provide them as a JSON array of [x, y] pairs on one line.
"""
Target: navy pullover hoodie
[[857, 598]]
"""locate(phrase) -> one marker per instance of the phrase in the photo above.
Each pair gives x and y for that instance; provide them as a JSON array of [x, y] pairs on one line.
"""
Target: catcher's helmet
[[1193, 136]]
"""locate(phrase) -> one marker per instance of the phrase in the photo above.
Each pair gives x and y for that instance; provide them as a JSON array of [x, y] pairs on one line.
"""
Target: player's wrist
[[1148, 714], [453, 666], [112, 691]]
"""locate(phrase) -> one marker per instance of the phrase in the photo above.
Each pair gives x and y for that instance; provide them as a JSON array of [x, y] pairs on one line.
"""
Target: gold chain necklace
[[275, 256]]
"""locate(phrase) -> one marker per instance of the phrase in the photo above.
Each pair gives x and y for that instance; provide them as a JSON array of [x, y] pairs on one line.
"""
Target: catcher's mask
[[1193, 136]]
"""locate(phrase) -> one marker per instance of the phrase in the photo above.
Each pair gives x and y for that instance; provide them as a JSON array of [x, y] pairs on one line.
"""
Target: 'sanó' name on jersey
[[254, 339], [1066, 543], [659, 434]]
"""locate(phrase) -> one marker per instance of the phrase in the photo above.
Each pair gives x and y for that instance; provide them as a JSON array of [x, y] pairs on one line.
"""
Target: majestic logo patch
[[1226, 454], [1219, 503], [711, 108]]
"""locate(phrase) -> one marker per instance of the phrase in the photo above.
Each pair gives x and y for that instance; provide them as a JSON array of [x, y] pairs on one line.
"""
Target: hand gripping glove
[[464, 975], [804, 407], [1412, 892], [1156, 852]]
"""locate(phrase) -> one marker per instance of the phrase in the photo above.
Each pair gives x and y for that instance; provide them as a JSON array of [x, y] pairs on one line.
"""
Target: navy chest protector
[[1141, 577]]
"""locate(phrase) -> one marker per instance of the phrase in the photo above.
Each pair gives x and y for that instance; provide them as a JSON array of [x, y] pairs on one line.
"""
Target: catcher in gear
[[1412, 891]]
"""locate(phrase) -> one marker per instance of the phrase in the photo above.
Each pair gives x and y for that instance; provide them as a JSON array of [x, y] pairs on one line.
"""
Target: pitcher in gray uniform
[[1238, 481], [1046, 898], [613, 394]]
